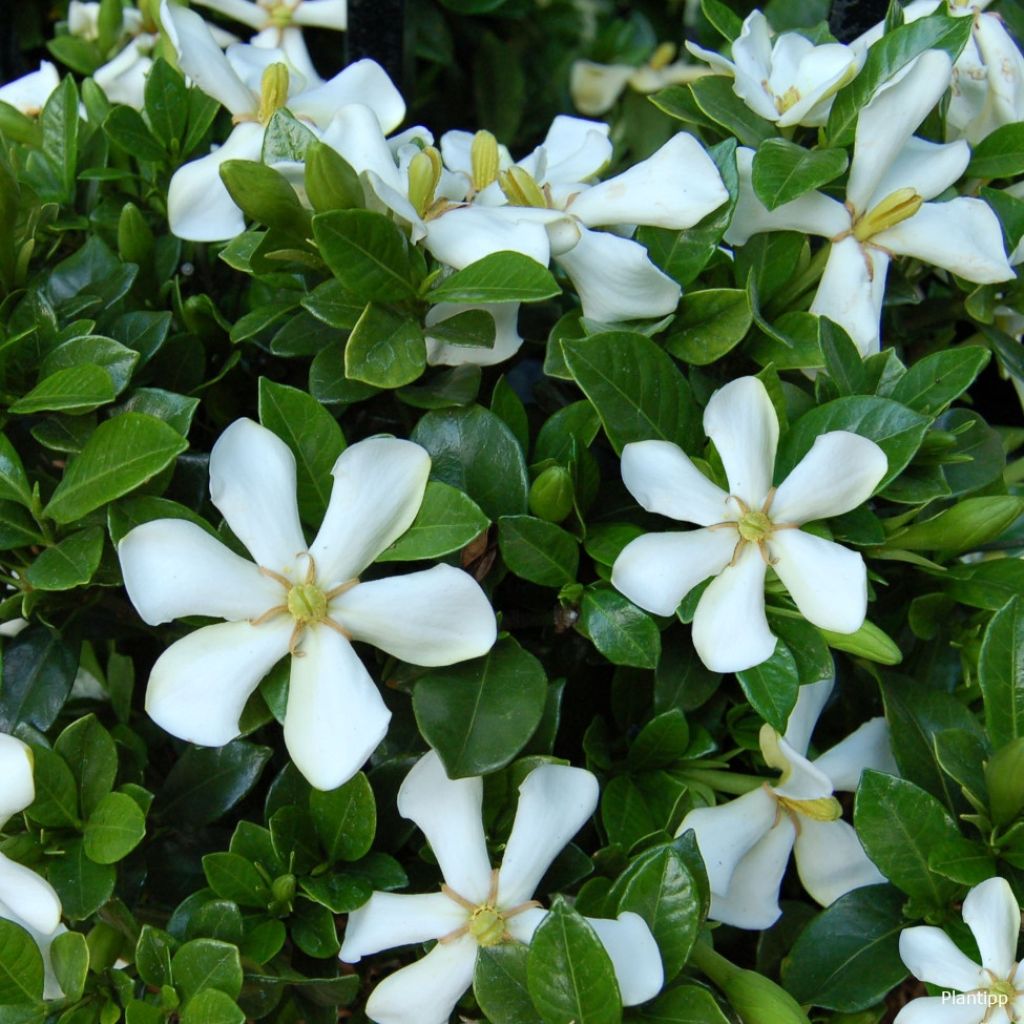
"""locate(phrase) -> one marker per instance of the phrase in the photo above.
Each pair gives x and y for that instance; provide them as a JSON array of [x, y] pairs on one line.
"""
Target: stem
[[803, 283], [713, 964], [734, 783]]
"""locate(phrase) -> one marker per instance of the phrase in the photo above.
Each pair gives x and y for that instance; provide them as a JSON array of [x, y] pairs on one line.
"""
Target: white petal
[[962, 235], [830, 860], [828, 582], [596, 87], [378, 489], [203, 61], [555, 801], [656, 571], [294, 46], [252, 483], [322, 14], [30, 92], [810, 703], [752, 54], [522, 926], [890, 119], [1004, 79], [31, 899], [174, 568], [674, 188], [439, 616], [867, 747], [466, 234], [199, 207], [335, 717], [390, 920], [364, 82], [741, 420], [929, 168], [851, 291], [616, 279], [992, 913], [727, 833], [573, 151], [839, 472], [752, 899], [18, 790], [634, 955], [820, 73], [931, 956], [123, 79], [730, 630], [936, 1010], [663, 480], [356, 134], [426, 991], [507, 339], [250, 62], [800, 779], [199, 685], [448, 812], [238, 10], [719, 64], [813, 213]]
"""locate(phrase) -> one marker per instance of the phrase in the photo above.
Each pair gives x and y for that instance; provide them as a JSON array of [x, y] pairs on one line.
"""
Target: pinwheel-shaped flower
[[478, 907], [295, 598], [887, 212], [748, 529], [30, 92], [992, 993], [789, 82], [746, 843], [279, 24], [253, 83], [25, 898]]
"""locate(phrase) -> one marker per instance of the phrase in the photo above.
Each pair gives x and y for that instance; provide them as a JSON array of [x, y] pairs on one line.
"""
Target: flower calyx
[[754, 526]]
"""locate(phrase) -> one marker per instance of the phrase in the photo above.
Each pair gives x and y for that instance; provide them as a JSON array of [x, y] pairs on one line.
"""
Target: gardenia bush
[[530, 537]]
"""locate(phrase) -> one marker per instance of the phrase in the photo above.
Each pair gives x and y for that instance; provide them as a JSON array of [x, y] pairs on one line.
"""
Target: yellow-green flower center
[[754, 526], [487, 926], [307, 604], [895, 208], [521, 189], [788, 99], [825, 808], [484, 160]]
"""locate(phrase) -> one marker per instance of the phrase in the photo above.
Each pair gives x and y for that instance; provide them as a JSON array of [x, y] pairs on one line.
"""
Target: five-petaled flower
[[25, 898], [478, 907], [746, 843], [747, 529], [992, 993], [298, 598]]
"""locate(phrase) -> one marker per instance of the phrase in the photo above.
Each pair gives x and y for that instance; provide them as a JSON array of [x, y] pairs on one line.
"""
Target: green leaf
[[56, 802], [935, 381], [569, 973], [367, 253], [82, 884], [89, 752], [266, 196], [848, 957], [783, 171], [212, 1007], [75, 389], [1000, 154], [893, 52], [899, 824], [166, 98], [1001, 673], [724, 19], [14, 485], [715, 97], [312, 434], [38, 671], [93, 349], [21, 967], [59, 122], [286, 140], [70, 955], [709, 324], [623, 633], [345, 818], [447, 521], [843, 360], [153, 954], [385, 349], [128, 131], [499, 277], [475, 451], [122, 454], [966, 526], [897, 430], [339, 893], [686, 1004], [331, 183], [234, 878], [479, 714], [538, 551], [636, 388], [773, 686], [660, 743], [500, 986], [658, 886], [205, 964], [114, 829], [69, 564], [334, 304]]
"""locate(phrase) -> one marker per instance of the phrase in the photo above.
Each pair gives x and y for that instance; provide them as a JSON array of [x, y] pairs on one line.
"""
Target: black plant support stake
[[849, 18], [376, 29]]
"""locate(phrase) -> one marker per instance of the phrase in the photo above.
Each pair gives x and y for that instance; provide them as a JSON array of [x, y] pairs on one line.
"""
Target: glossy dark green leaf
[[500, 986], [709, 324], [21, 967], [69, 564], [783, 171], [623, 633], [88, 750], [447, 521], [386, 349], [500, 277], [345, 818], [207, 964], [38, 671], [114, 829], [538, 551], [1001, 673], [207, 782], [82, 885], [773, 686]]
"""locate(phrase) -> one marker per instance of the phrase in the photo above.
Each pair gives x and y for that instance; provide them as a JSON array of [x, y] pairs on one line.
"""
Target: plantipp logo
[[985, 998]]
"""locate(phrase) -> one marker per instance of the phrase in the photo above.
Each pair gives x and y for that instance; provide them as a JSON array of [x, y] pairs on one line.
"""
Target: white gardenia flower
[[30, 92], [987, 88], [790, 81], [748, 528], [887, 212], [279, 24], [992, 993], [254, 83], [478, 907], [295, 598], [25, 898], [595, 87], [746, 843]]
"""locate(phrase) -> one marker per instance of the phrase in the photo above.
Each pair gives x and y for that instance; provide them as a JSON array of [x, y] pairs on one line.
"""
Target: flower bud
[[521, 189], [484, 157], [282, 890], [1004, 775], [424, 174], [273, 90], [551, 494], [134, 237], [760, 1001]]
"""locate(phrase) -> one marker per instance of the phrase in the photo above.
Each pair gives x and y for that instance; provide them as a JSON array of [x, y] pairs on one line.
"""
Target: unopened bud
[[663, 56], [758, 1000], [424, 175], [895, 208], [551, 494], [484, 160], [273, 90], [521, 189]]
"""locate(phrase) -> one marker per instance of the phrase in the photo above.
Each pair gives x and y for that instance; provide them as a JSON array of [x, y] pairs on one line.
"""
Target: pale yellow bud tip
[[521, 189], [895, 208], [424, 175], [273, 90], [484, 159]]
